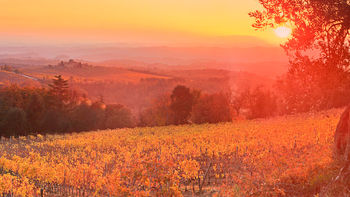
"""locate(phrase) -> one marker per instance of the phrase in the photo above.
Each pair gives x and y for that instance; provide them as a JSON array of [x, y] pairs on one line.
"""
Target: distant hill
[[216, 80], [136, 87], [85, 72], [23, 61], [7, 78], [229, 53], [186, 55]]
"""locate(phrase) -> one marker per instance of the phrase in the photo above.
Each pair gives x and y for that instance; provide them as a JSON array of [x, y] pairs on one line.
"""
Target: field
[[13, 78], [289, 155], [92, 74]]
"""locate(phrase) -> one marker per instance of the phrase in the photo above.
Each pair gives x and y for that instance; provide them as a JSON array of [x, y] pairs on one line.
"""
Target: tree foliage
[[14, 122], [158, 114], [319, 51], [182, 100], [262, 103], [212, 109], [118, 116], [317, 24], [57, 109], [59, 90]]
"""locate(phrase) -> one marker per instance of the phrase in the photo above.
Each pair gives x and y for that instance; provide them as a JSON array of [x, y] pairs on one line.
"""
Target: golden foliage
[[260, 157]]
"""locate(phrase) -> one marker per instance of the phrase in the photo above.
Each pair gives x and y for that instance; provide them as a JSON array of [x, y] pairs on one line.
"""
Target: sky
[[130, 21]]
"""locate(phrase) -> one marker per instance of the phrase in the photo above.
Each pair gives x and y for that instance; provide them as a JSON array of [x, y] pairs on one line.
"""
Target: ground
[[289, 155]]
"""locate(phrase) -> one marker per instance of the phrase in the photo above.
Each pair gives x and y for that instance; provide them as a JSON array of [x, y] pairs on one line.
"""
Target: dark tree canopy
[[319, 52], [118, 116], [30, 110], [321, 25], [213, 108], [182, 101], [59, 88], [14, 122]]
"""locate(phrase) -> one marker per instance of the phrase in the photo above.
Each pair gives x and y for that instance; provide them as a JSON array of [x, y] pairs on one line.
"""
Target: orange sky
[[144, 21]]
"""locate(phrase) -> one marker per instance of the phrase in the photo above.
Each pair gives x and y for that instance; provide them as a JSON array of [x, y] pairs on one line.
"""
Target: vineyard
[[289, 155]]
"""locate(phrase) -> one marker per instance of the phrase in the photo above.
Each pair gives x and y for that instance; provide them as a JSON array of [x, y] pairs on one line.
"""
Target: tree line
[[57, 109], [192, 106], [319, 51]]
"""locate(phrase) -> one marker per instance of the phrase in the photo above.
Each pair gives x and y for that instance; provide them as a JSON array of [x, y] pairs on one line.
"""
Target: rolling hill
[[7, 78], [85, 72], [136, 88]]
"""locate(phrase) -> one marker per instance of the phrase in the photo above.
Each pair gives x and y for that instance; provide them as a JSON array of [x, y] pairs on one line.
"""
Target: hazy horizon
[[183, 23]]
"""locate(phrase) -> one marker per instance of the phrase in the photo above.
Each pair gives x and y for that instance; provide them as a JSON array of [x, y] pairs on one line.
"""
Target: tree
[[84, 118], [158, 114], [59, 91], [98, 108], [318, 24], [118, 116], [56, 121], [318, 49], [12, 96], [35, 109], [262, 103], [14, 123], [182, 101], [240, 100], [212, 108]]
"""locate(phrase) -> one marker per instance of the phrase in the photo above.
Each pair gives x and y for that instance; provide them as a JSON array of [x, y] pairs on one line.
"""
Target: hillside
[[84, 72], [263, 59], [290, 155], [136, 88], [240, 79], [7, 78]]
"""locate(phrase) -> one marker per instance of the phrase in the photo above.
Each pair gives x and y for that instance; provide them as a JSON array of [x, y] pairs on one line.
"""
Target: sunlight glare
[[283, 32]]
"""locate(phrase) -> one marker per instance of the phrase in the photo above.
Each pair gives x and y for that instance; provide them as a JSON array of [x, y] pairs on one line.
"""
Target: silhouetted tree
[[14, 123], [56, 110], [319, 50], [56, 121], [212, 109], [239, 100], [182, 101], [118, 116], [35, 109], [12, 96], [83, 118], [59, 91], [158, 114], [318, 24], [262, 103], [98, 108]]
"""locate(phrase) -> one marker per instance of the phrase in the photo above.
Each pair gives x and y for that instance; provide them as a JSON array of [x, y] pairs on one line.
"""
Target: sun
[[283, 32]]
